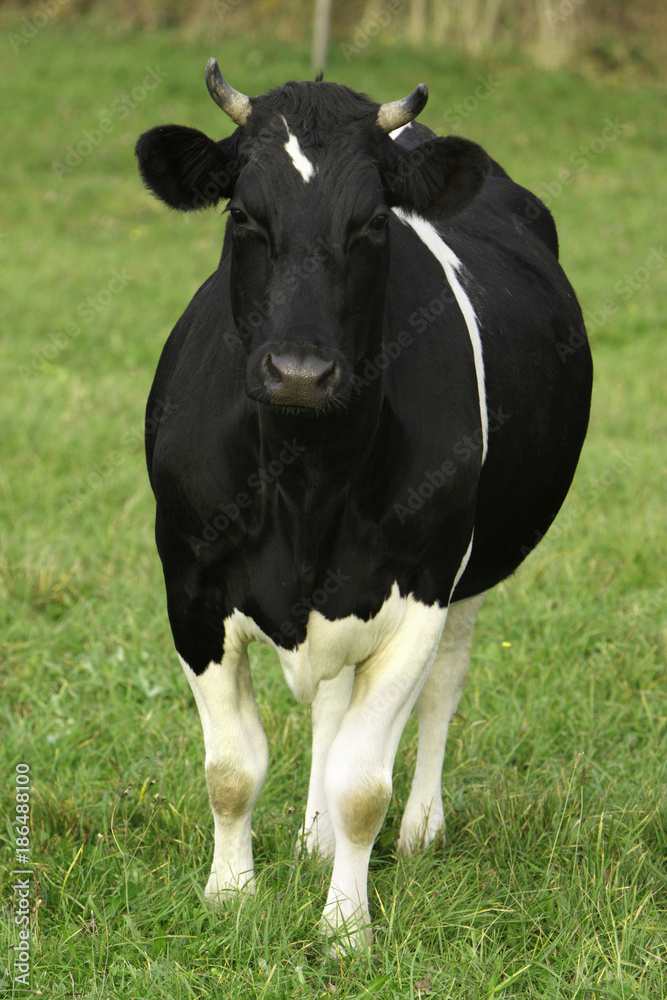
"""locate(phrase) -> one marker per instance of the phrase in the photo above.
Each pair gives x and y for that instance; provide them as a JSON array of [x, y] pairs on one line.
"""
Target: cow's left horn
[[232, 102], [397, 113]]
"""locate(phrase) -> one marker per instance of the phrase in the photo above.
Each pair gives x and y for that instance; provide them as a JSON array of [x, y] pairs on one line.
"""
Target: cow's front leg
[[358, 777], [237, 758]]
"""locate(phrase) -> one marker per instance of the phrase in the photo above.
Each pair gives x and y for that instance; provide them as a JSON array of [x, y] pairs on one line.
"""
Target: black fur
[[439, 177], [305, 267], [185, 168]]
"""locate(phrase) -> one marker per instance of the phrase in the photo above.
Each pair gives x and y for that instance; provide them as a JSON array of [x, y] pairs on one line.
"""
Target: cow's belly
[[328, 646]]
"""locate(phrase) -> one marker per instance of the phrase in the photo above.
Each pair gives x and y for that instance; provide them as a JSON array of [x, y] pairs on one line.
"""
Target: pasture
[[553, 880]]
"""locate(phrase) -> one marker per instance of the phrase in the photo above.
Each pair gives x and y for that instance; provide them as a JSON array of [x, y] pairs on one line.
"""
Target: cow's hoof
[[218, 892], [346, 934], [341, 944], [419, 831]]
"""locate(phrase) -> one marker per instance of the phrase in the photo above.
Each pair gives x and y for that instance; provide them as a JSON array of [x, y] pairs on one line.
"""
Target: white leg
[[358, 775], [237, 758], [328, 708], [424, 814]]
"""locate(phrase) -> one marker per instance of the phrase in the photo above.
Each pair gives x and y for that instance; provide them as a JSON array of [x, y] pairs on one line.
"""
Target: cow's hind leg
[[424, 814], [236, 765], [328, 708]]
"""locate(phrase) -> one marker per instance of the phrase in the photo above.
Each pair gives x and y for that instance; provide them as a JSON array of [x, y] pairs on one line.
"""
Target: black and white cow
[[368, 421]]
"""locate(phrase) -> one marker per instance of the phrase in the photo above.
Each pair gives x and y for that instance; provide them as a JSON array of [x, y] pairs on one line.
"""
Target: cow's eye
[[378, 222], [238, 216]]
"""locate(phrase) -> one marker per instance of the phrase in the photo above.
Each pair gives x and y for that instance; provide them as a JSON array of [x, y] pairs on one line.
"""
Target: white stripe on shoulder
[[301, 162], [451, 266], [464, 563]]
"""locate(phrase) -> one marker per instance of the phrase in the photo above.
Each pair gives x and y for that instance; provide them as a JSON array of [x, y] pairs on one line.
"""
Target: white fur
[[397, 131], [301, 162], [237, 758], [330, 704], [359, 713], [328, 646], [451, 265], [363, 679], [358, 772], [424, 814]]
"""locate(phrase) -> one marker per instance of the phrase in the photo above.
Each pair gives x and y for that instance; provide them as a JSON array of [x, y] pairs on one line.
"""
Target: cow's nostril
[[271, 369], [296, 379], [327, 375]]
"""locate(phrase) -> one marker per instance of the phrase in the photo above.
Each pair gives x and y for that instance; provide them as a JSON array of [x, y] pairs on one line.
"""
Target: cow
[[369, 415]]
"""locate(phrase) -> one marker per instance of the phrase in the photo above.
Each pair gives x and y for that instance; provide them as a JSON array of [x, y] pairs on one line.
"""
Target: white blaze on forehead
[[301, 162]]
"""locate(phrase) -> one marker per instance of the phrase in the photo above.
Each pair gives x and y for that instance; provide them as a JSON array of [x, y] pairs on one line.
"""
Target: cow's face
[[310, 255], [311, 176]]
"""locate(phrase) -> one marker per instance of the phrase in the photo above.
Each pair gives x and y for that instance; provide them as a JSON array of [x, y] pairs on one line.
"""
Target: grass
[[553, 880]]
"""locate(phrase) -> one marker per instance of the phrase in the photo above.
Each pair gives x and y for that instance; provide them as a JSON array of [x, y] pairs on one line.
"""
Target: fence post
[[321, 34]]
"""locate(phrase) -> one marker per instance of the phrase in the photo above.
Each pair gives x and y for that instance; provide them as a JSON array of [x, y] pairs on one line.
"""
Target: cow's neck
[[335, 442], [312, 491]]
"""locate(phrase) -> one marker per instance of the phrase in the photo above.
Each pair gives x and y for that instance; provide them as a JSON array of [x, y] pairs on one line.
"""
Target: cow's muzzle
[[296, 375]]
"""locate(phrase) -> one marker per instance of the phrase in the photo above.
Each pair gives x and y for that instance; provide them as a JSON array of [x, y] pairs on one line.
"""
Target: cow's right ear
[[185, 168], [442, 175]]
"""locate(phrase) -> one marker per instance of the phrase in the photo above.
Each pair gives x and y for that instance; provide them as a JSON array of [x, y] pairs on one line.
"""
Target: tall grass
[[552, 883]]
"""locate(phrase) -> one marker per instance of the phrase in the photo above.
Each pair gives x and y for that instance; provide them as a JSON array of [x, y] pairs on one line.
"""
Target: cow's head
[[311, 175]]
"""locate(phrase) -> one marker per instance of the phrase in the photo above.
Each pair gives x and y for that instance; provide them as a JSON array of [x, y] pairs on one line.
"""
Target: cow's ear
[[185, 168], [440, 176]]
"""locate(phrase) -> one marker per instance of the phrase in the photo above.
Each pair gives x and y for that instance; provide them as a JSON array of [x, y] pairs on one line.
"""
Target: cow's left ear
[[185, 168], [441, 175]]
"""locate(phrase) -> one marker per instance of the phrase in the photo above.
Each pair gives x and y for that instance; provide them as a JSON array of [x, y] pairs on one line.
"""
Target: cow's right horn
[[232, 102]]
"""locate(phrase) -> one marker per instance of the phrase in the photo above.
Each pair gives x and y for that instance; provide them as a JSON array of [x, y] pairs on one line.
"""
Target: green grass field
[[554, 879]]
